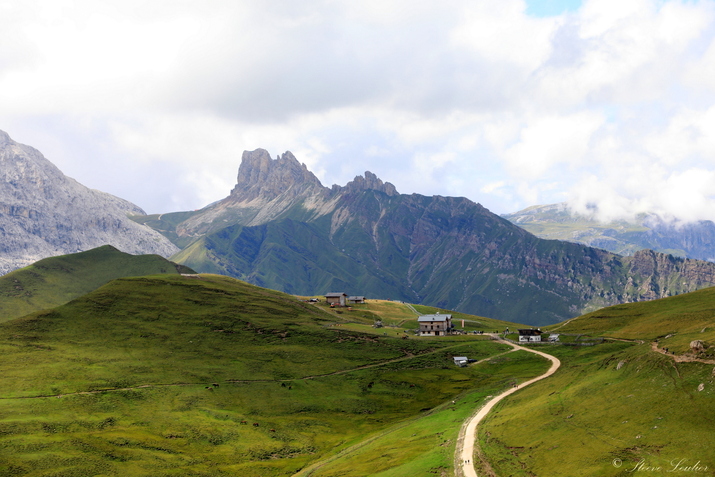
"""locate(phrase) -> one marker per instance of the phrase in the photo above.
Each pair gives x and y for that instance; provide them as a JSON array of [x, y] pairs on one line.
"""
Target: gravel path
[[464, 455]]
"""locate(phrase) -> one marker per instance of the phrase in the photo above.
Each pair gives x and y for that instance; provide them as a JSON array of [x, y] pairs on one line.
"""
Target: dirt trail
[[235, 381], [680, 358], [464, 453]]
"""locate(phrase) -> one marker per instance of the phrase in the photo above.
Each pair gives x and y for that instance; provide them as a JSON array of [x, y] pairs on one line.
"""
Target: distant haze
[[605, 104]]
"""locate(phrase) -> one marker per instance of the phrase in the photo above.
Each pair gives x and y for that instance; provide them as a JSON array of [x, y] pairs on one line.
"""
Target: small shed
[[336, 298], [356, 299], [435, 325], [461, 361], [530, 335]]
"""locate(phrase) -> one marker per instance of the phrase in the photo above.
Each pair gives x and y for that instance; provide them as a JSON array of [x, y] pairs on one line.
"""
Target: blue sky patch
[[550, 8]]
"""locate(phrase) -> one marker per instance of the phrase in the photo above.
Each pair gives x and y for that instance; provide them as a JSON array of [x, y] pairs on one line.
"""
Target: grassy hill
[[610, 407], [673, 321], [56, 280], [168, 375], [620, 407], [398, 318]]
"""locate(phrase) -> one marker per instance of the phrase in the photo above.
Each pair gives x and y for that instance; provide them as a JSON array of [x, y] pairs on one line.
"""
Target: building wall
[[431, 328]]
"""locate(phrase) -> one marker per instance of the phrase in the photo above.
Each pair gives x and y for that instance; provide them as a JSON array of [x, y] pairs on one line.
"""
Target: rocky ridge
[[625, 237], [44, 213], [267, 189], [280, 228]]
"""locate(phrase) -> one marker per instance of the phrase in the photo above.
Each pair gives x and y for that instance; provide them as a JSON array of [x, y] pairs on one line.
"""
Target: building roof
[[335, 294], [529, 332], [435, 317]]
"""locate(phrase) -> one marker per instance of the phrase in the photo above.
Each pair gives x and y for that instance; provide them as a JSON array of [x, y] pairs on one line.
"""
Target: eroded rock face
[[259, 175], [268, 189], [45, 213]]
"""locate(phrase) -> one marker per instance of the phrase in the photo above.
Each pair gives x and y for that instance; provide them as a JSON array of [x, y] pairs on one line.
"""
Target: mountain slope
[[171, 375], [54, 281], [44, 213], [674, 321], [281, 229], [620, 407], [647, 231]]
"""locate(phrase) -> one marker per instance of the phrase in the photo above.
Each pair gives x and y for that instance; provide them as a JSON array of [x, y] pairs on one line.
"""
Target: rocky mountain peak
[[261, 176], [370, 181], [5, 139], [45, 213]]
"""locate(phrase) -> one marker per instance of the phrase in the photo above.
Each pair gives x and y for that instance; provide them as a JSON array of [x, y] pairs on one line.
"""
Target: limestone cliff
[[268, 189], [44, 213]]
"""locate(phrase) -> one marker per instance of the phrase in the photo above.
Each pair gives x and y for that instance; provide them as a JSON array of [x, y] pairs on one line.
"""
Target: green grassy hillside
[[166, 225], [621, 407], [673, 321], [168, 375], [56, 280], [609, 408], [398, 317]]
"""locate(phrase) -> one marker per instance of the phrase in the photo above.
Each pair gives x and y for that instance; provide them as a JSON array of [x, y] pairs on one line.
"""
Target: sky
[[608, 105]]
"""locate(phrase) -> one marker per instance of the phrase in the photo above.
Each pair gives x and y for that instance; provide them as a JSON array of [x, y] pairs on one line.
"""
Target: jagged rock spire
[[370, 181], [260, 175]]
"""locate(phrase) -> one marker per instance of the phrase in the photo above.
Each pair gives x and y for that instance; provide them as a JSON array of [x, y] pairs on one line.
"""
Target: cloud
[[551, 141], [610, 103]]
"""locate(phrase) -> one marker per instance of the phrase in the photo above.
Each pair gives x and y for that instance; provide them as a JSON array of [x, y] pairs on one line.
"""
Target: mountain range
[[646, 231], [281, 228], [44, 213]]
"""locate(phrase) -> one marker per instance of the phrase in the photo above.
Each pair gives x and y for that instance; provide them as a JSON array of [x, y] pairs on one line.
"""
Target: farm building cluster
[[343, 299]]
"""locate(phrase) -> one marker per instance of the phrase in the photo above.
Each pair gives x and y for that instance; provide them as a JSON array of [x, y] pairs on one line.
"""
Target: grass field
[[425, 444], [617, 408], [56, 280], [674, 321], [167, 375], [398, 317], [610, 407]]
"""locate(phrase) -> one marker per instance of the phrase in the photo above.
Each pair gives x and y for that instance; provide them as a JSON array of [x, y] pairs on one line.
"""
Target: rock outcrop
[[44, 213], [268, 189]]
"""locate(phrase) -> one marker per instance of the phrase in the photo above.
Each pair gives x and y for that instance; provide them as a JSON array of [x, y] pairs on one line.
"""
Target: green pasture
[[397, 317], [673, 321], [608, 408], [56, 280], [425, 444], [166, 376]]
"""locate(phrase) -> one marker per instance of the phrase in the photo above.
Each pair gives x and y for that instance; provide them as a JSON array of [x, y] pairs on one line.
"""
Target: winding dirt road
[[467, 435]]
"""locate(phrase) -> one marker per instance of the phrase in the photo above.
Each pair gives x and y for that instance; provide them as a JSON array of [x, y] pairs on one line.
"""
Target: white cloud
[[501, 32], [612, 104], [550, 141]]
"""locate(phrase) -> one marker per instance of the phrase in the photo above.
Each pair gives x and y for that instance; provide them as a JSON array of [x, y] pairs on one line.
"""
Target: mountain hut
[[435, 325], [336, 298], [529, 336]]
